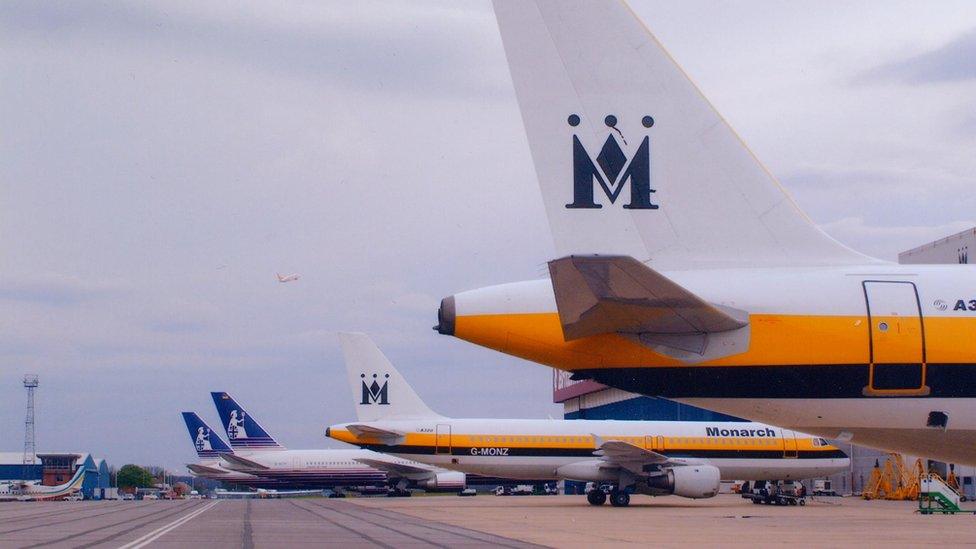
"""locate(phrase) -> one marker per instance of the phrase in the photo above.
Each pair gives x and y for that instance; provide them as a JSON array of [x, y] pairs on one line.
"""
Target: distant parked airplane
[[31, 490], [265, 493], [287, 278]]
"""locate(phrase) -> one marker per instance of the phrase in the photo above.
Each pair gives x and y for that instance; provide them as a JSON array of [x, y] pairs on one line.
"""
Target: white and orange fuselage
[[554, 449], [873, 353]]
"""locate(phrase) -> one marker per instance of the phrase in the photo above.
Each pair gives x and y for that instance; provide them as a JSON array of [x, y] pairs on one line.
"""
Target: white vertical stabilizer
[[632, 159], [378, 389]]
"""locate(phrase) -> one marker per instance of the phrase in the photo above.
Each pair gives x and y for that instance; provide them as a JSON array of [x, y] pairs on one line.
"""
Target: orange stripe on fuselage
[[676, 443], [773, 340]]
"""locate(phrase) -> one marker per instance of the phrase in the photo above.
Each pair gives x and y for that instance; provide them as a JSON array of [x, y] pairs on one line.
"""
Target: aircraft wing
[[384, 436], [607, 294], [239, 463], [627, 455], [396, 468]]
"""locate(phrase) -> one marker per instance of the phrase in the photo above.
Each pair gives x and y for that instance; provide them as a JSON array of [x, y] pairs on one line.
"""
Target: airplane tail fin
[[632, 159], [243, 431], [79, 478], [207, 442], [379, 391]]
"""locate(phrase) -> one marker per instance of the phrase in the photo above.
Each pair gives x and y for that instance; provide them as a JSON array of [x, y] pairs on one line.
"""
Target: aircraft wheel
[[803, 502], [619, 498], [596, 497]]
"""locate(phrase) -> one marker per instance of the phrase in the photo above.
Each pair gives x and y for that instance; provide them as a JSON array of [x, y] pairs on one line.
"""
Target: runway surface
[[485, 520], [227, 523], [722, 521]]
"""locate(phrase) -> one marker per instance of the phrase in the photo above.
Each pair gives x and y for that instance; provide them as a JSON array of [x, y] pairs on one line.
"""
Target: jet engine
[[445, 480], [690, 481]]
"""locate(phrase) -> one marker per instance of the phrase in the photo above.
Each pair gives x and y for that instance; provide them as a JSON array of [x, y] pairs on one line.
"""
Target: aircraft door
[[789, 443], [442, 439], [897, 339], [654, 444]]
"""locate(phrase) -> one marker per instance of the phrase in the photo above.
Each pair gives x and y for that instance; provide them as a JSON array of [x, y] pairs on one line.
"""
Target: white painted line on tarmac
[[159, 532]]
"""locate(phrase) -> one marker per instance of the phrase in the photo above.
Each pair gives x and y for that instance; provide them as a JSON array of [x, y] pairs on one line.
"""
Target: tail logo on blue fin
[[207, 444], [242, 429], [203, 439], [374, 393], [235, 427], [609, 172]]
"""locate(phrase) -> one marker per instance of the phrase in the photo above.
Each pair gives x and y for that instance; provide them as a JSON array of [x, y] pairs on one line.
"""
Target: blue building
[[12, 467], [591, 400]]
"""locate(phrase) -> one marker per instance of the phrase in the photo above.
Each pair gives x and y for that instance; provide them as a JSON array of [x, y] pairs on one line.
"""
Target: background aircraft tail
[[243, 432], [207, 442], [632, 159], [378, 389]]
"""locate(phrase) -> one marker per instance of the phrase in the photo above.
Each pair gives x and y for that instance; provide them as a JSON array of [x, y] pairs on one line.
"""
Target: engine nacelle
[[689, 481], [590, 471], [445, 480]]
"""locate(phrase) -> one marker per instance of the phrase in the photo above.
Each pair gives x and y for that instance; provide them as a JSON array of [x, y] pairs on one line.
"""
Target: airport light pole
[[30, 448]]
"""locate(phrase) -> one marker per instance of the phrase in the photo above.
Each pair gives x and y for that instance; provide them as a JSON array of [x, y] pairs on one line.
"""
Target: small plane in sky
[[287, 278]]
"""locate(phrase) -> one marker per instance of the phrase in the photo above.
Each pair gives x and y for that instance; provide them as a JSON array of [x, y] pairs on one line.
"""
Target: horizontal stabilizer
[[239, 463], [367, 432], [395, 468], [205, 470], [618, 294]]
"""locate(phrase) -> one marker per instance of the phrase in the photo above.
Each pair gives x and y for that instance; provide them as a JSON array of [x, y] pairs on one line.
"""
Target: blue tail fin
[[242, 430], [208, 444]]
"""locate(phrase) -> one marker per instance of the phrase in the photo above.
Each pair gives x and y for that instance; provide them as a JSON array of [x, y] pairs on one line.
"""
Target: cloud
[[953, 62], [433, 46], [57, 289]]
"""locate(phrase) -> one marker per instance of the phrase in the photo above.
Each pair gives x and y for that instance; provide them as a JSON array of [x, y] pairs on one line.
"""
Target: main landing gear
[[617, 497], [596, 497]]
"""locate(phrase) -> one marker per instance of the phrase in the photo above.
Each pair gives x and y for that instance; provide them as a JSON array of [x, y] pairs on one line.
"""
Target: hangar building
[[948, 250]]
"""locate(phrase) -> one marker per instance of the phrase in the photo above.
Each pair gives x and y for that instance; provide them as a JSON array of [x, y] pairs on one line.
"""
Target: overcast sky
[[160, 161]]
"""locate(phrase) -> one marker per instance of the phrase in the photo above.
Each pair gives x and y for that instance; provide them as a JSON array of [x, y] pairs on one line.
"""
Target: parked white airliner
[[684, 458], [209, 448], [711, 286], [257, 453]]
